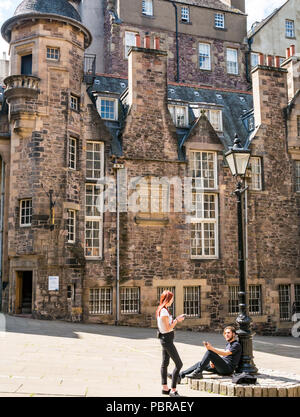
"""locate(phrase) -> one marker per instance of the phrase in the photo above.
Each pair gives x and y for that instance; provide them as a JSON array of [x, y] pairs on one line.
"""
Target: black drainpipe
[[177, 45], [248, 60]]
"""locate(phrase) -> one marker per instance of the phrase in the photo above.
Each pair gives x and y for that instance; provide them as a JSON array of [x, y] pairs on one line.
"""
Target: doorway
[[24, 292], [26, 65]]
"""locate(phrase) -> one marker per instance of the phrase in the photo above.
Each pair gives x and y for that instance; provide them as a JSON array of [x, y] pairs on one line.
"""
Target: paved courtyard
[[55, 358]]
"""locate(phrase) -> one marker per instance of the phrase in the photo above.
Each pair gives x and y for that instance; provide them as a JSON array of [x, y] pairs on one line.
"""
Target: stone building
[[4, 68], [275, 34], [114, 188]]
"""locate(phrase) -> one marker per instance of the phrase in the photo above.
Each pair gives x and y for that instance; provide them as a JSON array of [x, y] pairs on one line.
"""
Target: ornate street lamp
[[238, 158]]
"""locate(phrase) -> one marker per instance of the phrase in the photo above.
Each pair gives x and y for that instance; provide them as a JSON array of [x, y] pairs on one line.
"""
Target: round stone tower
[[46, 98]]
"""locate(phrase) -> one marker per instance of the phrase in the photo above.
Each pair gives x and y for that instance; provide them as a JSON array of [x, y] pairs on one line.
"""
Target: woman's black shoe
[[174, 394], [165, 392]]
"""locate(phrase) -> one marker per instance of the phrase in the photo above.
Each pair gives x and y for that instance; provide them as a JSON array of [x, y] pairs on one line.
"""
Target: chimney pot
[[270, 60], [147, 42], [261, 59], [156, 43], [288, 52], [292, 50], [138, 40], [277, 61]]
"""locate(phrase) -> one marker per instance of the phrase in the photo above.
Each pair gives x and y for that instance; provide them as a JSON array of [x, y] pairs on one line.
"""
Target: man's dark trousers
[[221, 367]]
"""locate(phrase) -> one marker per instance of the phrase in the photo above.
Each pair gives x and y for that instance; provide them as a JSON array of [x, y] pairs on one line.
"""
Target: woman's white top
[[164, 313]]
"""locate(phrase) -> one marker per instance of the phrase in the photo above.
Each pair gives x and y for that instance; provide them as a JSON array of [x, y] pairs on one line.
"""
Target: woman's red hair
[[165, 298]]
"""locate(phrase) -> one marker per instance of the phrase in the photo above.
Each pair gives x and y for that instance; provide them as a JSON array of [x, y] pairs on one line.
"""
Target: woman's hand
[[180, 318]]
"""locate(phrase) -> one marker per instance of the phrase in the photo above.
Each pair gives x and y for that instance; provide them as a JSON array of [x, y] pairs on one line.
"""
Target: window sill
[[204, 69], [186, 23], [197, 258], [290, 37], [93, 258], [149, 16], [25, 225], [223, 29], [151, 221]]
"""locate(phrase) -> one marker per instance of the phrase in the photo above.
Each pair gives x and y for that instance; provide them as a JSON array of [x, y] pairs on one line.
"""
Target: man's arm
[[217, 351]]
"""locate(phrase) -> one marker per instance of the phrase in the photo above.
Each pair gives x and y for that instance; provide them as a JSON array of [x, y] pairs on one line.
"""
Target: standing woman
[[166, 326]]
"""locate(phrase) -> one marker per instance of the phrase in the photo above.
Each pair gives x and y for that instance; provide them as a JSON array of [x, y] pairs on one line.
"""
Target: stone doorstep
[[267, 385]]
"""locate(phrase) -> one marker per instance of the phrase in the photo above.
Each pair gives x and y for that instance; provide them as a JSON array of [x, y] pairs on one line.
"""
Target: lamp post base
[[246, 363]]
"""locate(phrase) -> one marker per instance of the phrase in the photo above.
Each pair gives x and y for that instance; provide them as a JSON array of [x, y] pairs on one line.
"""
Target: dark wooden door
[[26, 65]]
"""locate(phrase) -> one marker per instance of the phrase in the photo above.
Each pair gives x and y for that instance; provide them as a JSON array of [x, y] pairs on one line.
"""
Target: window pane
[[284, 302], [233, 299], [232, 62], [191, 301], [297, 168], [26, 212], [256, 173], [100, 301], [185, 14], [93, 160], [289, 29], [107, 109], [255, 299], [254, 59], [130, 40], [204, 56], [219, 20], [130, 300], [147, 7]]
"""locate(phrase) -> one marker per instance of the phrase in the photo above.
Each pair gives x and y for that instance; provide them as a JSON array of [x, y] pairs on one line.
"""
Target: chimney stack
[[288, 52], [292, 65], [147, 42], [269, 94], [292, 50], [149, 131]]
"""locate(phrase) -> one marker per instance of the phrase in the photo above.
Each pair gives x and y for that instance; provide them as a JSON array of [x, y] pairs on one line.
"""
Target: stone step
[[267, 385]]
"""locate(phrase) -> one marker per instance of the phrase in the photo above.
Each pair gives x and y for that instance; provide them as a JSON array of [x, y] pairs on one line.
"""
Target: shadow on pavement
[[283, 346]]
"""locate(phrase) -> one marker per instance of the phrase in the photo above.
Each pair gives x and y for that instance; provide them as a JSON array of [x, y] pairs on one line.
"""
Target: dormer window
[[147, 7], [214, 116], [107, 108], [185, 14], [179, 115]]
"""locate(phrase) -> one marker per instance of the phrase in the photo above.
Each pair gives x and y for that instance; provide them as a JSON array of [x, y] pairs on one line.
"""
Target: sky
[[256, 10]]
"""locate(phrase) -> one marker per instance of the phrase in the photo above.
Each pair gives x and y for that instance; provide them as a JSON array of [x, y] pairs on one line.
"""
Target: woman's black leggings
[[169, 351]]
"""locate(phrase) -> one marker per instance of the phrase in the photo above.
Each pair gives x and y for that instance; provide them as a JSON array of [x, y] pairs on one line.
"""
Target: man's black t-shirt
[[236, 350]]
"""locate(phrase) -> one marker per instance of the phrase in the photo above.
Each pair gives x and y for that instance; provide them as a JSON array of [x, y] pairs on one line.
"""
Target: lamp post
[[238, 158]]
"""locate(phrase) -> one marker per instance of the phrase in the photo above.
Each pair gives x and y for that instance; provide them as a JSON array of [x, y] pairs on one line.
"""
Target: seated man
[[222, 362]]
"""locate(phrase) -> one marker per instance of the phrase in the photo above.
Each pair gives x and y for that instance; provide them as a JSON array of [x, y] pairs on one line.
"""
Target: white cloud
[[259, 9]]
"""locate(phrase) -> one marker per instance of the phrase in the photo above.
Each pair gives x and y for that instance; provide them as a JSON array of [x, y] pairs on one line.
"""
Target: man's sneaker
[[178, 379], [195, 375], [174, 394]]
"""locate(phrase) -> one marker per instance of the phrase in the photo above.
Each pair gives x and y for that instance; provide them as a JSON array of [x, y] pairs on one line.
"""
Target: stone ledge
[[269, 384]]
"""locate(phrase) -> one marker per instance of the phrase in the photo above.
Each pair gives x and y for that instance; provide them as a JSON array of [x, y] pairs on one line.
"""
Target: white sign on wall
[[53, 283]]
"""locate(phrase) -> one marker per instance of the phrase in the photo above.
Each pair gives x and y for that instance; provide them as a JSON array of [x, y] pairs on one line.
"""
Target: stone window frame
[[126, 45], [219, 20], [205, 56], [229, 63], [254, 294], [290, 27], [101, 301], [74, 102], [72, 153], [130, 300], [192, 307], [96, 223], [147, 8], [297, 176], [71, 225], [256, 173], [173, 291], [110, 99], [28, 212], [55, 57], [71, 290], [185, 14], [203, 190], [179, 114], [298, 126]]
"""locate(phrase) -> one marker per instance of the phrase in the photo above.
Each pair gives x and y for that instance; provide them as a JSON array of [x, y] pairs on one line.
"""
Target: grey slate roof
[[235, 107], [59, 7]]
